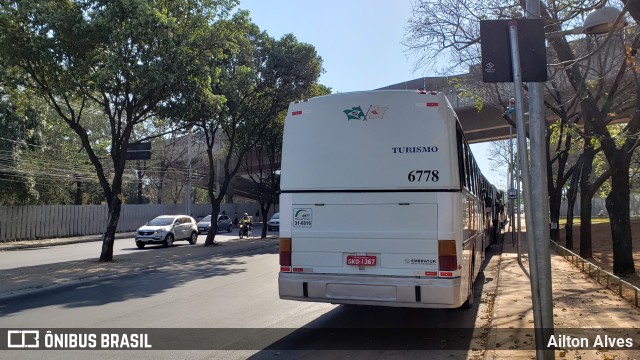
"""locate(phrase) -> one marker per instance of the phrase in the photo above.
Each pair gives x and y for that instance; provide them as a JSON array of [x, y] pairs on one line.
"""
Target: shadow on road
[[350, 327], [140, 275]]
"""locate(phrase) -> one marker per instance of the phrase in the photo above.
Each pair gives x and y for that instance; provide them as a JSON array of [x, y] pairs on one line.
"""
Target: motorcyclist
[[246, 221]]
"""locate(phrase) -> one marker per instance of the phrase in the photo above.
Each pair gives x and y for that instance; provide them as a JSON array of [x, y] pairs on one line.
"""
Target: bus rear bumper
[[371, 290]]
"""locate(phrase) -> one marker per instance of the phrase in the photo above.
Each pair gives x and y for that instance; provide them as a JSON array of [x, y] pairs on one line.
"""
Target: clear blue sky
[[358, 40]]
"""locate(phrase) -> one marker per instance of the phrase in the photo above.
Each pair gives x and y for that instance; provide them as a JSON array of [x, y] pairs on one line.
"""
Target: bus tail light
[[447, 258], [285, 251]]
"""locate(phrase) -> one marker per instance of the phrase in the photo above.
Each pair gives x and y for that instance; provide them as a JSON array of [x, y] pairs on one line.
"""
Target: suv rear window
[[161, 222]]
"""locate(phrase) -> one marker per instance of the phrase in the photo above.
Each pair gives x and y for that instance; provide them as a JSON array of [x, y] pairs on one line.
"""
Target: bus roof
[[375, 140]]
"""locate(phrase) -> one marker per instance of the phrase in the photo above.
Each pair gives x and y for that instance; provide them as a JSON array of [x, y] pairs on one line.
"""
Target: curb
[[9, 246], [490, 339]]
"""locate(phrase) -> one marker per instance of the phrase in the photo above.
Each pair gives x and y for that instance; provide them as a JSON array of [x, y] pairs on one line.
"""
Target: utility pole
[[497, 57], [541, 199], [187, 199], [139, 181], [514, 195], [526, 184]]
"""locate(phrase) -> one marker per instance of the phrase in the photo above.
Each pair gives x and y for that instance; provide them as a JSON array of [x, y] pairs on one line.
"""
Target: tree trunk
[[571, 204], [617, 204], [112, 223], [263, 213], [587, 190], [215, 203], [211, 235], [586, 248], [264, 210], [555, 199], [78, 198], [569, 229]]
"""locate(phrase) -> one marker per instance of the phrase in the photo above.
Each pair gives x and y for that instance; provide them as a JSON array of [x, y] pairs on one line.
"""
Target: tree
[[501, 153], [253, 79], [571, 202], [126, 57], [452, 30], [589, 185], [262, 163], [19, 127], [46, 165], [599, 106], [560, 140]]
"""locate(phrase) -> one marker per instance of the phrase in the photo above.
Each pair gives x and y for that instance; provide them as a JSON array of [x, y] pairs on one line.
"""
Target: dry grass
[[602, 245]]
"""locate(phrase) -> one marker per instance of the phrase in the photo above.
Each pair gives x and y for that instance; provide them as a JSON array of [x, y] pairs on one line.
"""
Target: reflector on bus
[[447, 258], [285, 251]]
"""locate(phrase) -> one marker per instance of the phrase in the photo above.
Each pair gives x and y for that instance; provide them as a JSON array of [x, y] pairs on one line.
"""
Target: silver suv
[[166, 229]]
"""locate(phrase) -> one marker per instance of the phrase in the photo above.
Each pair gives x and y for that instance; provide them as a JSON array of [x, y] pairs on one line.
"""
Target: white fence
[[51, 221], [598, 207]]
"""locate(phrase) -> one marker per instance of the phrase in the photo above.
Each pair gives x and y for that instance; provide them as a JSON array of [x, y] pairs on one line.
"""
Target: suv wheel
[[140, 245], [168, 241], [229, 228], [193, 239]]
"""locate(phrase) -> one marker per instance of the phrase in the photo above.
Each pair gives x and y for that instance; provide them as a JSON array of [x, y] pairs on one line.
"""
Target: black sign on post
[[139, 151], [496, 50]]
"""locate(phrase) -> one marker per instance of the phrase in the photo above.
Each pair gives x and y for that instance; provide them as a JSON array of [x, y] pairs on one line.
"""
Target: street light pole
[[534, 177], [540, 202], [187, 199], [526, 184]]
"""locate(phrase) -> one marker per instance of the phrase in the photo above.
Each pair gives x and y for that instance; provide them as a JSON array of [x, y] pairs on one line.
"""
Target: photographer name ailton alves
[[599, 341]]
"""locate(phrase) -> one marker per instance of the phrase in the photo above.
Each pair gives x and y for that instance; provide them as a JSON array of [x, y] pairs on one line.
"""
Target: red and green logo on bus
[[374, 112]]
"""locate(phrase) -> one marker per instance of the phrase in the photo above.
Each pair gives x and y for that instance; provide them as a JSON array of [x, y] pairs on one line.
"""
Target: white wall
[[51, 221], [598, 204]]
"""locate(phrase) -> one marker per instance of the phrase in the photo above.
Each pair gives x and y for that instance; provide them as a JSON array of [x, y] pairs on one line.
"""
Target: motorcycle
[[245, 231]]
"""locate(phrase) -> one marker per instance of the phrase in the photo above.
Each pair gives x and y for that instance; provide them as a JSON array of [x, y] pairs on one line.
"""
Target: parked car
[[166, 229], [224, 223], [274, 222]]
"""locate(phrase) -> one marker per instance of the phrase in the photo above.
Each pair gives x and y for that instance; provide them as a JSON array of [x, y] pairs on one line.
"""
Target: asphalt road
[[231, 291], [88, 250]]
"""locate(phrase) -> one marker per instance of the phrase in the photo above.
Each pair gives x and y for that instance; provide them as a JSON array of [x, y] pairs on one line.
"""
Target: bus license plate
[[361, 260]]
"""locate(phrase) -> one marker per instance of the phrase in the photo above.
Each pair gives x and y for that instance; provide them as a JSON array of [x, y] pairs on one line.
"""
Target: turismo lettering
[[414, 149]]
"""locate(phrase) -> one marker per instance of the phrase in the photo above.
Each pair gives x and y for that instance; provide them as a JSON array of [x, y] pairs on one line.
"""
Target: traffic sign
[[139, 151], [496, 50]]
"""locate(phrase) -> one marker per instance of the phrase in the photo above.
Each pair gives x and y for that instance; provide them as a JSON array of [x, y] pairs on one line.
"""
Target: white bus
[[381, 202]]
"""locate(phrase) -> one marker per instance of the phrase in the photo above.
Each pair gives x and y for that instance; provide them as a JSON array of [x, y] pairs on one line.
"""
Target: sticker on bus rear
[[301, 217]]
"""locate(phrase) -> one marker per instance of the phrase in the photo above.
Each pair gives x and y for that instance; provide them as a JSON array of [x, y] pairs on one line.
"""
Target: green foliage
[[127, 57], [99, 74], [465, 93], [19, 128], [258, 77], [600, 164]]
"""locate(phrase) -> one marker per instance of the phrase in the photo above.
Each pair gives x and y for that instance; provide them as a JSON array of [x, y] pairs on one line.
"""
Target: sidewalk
[[579, 304]]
